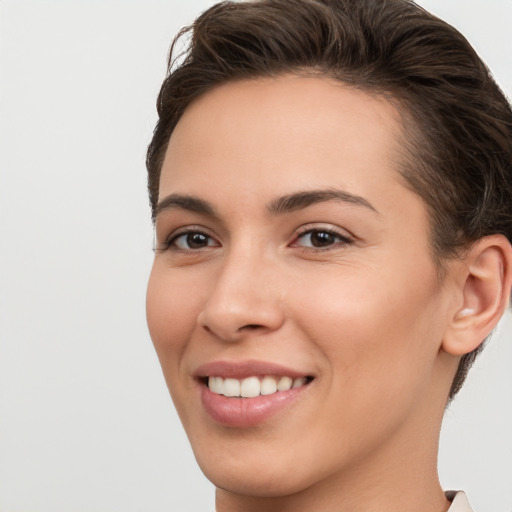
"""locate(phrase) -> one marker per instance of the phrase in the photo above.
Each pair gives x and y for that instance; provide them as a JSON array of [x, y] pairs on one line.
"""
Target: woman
[[331, 188]]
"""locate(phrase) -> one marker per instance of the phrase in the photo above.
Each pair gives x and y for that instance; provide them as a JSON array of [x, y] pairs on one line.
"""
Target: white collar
[[459, 501]]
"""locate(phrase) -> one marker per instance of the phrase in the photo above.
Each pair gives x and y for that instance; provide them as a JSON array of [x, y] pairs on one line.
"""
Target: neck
[[369, 499]]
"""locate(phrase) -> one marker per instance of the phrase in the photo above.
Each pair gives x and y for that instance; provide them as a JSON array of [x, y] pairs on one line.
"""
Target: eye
[[320, 238], [191, 240]]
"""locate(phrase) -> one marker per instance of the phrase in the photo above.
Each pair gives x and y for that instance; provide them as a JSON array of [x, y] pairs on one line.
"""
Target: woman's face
[[290, 252]]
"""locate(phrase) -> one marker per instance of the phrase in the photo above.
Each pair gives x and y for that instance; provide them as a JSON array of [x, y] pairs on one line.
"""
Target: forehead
[[272, 134]]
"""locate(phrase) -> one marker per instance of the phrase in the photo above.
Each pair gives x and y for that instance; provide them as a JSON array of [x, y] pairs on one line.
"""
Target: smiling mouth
[[251, 387]]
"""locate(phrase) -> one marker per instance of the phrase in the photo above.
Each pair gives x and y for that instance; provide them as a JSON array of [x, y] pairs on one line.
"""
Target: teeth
[[284, 384], [231, 387], [297, 383], [268, 386], [215, 384], [251, 387]]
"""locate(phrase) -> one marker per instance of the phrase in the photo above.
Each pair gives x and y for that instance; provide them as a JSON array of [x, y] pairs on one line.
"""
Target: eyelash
[[170, 243]]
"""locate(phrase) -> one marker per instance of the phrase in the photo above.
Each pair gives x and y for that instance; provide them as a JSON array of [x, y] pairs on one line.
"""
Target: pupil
[[197, 240], [321, 238]]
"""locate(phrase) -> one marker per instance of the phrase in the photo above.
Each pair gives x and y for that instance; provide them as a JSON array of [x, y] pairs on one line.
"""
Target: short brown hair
[[458, 124]]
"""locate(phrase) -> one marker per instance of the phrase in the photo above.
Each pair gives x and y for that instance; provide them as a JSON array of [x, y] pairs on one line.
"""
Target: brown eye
[[192, 240], [319, 238], [197, 240], [322, 238]]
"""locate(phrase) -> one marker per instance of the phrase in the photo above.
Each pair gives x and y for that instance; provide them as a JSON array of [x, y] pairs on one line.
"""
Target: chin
[[249, 465], [262, 482]]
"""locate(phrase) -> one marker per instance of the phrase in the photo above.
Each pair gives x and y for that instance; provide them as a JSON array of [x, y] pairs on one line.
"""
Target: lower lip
[[247, 412]]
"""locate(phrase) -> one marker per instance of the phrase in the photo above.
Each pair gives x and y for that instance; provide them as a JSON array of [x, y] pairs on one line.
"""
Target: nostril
[[251, 327]]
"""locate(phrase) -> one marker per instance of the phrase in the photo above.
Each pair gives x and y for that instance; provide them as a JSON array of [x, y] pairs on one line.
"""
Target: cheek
[[377, 342], [171, 315], [377, 330], [171, 310]]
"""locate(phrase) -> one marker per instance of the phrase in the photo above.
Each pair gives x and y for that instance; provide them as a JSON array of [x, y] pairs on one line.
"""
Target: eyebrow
[[299, 200], [185, 202], [284, 204]]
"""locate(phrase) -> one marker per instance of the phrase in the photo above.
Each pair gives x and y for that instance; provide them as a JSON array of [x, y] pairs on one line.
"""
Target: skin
[[366, 317]]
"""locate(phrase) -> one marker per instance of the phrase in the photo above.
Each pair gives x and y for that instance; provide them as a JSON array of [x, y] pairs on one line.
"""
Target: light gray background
[[86, 424]]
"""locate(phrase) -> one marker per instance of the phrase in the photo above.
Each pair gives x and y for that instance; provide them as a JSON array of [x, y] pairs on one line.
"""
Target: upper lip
[[243, 369]]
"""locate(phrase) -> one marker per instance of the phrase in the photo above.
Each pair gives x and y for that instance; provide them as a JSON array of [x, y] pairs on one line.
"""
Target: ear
[[485, 284]]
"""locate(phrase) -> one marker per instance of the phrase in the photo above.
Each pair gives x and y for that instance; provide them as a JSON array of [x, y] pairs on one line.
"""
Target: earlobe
[[485, 291]]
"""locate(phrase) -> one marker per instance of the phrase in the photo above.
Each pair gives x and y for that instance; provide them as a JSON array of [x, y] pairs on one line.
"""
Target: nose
[[245, 298]]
